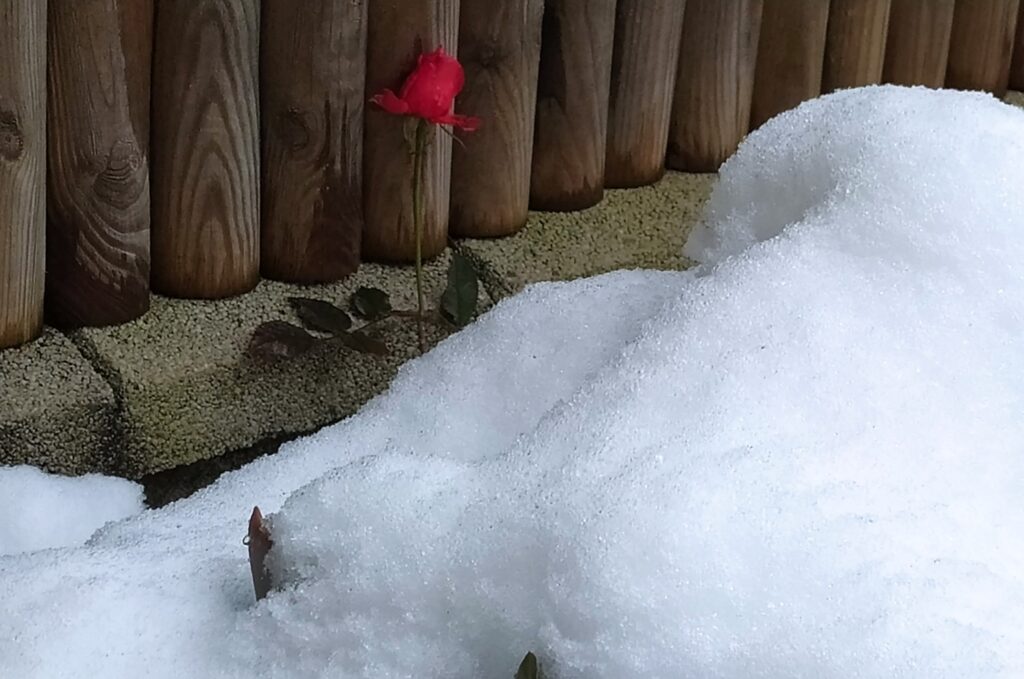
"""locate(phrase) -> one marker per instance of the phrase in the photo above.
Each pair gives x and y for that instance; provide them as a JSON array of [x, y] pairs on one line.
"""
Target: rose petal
[[464, 123], [430, 89], [388, 101]]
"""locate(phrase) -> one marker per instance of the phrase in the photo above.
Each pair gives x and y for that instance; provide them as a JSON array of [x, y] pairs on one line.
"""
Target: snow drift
[[802, 459], [42, 511]]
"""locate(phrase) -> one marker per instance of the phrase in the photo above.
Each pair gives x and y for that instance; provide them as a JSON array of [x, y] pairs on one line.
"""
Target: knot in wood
[[294, 129], [123, 180], [12, 141], [489, 55]]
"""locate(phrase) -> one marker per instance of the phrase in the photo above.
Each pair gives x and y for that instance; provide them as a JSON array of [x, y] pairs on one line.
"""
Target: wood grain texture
[[136, 19], [98, 211], [205, 148], [499, 46], [569, 139], [855, 46], [1016, 76], [398, 32], [22, 169], [711, 107], [790, 56], [917, 48], [312, 73], [981, 46], [644, 64]]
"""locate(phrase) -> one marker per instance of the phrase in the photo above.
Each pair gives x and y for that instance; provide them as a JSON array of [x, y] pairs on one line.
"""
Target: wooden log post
[[790, 56], [137, 21], [312, 71], [98, 212], [644, 64], [981, 46], [711, 109], [917, 48], [855, 46], [499, 46], [398, 32], [1016, 78], [569, 141], [22, 169], [205, 148]]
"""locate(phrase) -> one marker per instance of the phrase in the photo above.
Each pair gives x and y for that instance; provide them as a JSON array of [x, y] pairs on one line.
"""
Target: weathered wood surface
[[917, 49], [981, 46], [137, 25], [499, 46], [790, 56], [398, 32], [711, 108], [855, 46], [98, 208], [312, 71], [22, 169], [205, 148], [569, 146], [644, 64], [1016, 77]]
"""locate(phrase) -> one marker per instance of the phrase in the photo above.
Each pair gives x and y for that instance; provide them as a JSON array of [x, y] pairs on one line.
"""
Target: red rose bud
[[429, 92]]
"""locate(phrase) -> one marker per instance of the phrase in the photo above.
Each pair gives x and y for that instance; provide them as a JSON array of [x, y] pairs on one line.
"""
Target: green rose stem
[[419, 155]]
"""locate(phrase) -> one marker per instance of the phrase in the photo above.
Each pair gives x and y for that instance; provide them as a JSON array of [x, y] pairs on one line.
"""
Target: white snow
[[803, 459], [41, 511]]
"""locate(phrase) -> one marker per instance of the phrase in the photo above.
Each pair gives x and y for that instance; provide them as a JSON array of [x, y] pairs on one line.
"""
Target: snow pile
[[43, 510], [803, 459]]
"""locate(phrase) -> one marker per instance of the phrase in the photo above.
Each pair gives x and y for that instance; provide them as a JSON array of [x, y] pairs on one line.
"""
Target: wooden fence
[[190, 146]]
